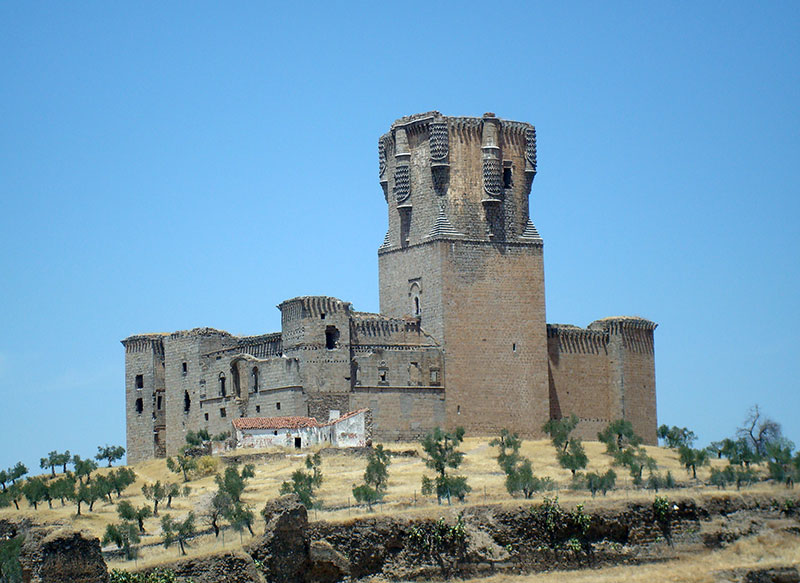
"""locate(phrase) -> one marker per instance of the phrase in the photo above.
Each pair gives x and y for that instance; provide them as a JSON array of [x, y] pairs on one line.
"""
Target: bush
[[158, 575], [207, 465]]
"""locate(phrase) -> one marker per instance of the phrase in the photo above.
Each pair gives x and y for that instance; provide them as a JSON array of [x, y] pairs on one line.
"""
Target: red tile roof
[[287, 422], [274, 422]]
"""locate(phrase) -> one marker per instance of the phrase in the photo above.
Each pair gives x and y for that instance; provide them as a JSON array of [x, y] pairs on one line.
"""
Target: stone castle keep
[[461, 338]]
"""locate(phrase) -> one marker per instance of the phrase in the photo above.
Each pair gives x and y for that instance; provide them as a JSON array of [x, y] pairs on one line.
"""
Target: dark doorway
[[298, 443]]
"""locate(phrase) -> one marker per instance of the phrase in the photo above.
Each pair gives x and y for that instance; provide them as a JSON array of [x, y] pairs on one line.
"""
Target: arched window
[[237, 389], [255, 379], [222, 391]]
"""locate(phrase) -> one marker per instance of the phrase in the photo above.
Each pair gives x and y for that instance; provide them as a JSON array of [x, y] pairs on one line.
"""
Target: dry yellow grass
[[341, 472]]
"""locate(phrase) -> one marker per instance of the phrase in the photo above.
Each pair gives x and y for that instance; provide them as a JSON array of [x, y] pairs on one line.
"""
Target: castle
[[461, 338]]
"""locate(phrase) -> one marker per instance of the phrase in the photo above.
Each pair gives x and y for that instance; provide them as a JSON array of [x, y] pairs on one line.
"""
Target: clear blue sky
[[167, 167]]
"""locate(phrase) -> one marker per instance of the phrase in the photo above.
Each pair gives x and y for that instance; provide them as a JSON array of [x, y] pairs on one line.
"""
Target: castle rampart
[[461, 338]]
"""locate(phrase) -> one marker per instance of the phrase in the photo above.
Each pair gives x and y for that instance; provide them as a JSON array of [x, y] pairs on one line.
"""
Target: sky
[[165, 166]]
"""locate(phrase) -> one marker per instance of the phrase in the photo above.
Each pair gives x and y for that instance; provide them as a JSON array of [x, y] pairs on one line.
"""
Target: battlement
[[456, 178]]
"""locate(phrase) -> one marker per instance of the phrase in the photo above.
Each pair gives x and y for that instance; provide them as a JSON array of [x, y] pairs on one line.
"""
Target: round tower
[[462, 254]]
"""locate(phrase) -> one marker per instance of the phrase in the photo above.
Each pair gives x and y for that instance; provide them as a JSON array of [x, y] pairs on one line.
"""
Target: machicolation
[[461, 338]]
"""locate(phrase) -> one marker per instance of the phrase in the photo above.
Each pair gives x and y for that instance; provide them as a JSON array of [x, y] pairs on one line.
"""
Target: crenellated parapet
[[144, 343], [635, 333], [457, 178], [572, 339]]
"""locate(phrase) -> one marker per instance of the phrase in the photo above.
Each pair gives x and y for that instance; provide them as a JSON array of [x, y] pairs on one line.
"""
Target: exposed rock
[[231, 567], [327, 565], [774, 575], [283, 550], [63, 556]]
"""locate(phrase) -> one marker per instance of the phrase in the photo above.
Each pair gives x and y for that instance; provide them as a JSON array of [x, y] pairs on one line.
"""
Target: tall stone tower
[[462, 255]]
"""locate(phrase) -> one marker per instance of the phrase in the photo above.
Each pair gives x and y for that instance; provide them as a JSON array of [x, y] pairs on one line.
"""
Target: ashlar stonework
[[461, 338]]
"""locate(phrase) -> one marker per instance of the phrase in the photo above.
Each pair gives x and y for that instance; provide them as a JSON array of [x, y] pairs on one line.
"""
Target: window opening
[[139, 381], [298, 443], [236, 384], [275, 432], [255, 379], [322, 316], [331, 337], [206, 416], [458, 410], [258, 408], [507, 177], [383, 375], [222, 391], [434, 377], [185, 368], [222, 412], [416, 306], [187, 402], [514, 347], [139, 406], [278, 406], [158, 402]]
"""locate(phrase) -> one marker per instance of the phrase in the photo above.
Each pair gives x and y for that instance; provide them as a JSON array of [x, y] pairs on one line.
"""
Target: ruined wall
[[401, 414], [144, 379], [579, 377], [603, 373]]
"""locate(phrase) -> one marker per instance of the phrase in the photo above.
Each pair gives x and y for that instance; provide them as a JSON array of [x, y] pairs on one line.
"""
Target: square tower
[[462, 255]]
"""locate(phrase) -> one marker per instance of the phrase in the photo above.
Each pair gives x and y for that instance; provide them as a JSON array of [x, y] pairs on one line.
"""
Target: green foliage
[[658, 482], [128, 511], [314, 463], [737, 452], [121, 479], [731, 474], [17, 472], [438, 540], [111, 453], [36, 491], [562, 529], [182, 464], [573, 458], [218, 508], [440, 447], [83, 468], [125, 535], [233, 482], [676, 437], [178, 531], [693, 458], [10, 568], [376, 477], [559, 430], [221, 436], [62, 488], [617, 435], [157, 575], [596, 482], [302, 484], [50, 462], [518, 469], [195, 439], [782, 466], [84, 494], [240, 516], [155, 493]]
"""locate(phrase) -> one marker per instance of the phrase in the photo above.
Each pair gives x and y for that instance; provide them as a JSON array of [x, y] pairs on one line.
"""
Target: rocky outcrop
[[231, 567], [284, 550], [63, 556]]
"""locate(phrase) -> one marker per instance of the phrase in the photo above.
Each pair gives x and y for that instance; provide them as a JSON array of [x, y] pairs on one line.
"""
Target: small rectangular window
[[507, 177], [158, 401], [185, 368], [278, 406], [139, 381], [139, 406], [223, 413], [258, 408], [434, 377], [206, 416]]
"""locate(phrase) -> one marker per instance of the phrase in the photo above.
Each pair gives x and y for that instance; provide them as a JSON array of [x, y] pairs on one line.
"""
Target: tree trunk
[[180, 542]]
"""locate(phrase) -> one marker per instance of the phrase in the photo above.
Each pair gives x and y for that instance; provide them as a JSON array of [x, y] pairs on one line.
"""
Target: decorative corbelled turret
[[464, 178]]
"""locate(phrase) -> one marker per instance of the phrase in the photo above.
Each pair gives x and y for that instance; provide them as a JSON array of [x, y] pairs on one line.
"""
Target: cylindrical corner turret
[[459, 178]]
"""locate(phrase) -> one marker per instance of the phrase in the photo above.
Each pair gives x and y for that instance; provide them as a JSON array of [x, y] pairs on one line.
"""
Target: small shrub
[[207, 465], [157, 575]]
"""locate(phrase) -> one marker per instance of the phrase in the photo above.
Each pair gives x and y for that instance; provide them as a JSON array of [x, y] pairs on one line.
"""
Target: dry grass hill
[[342, 469]]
